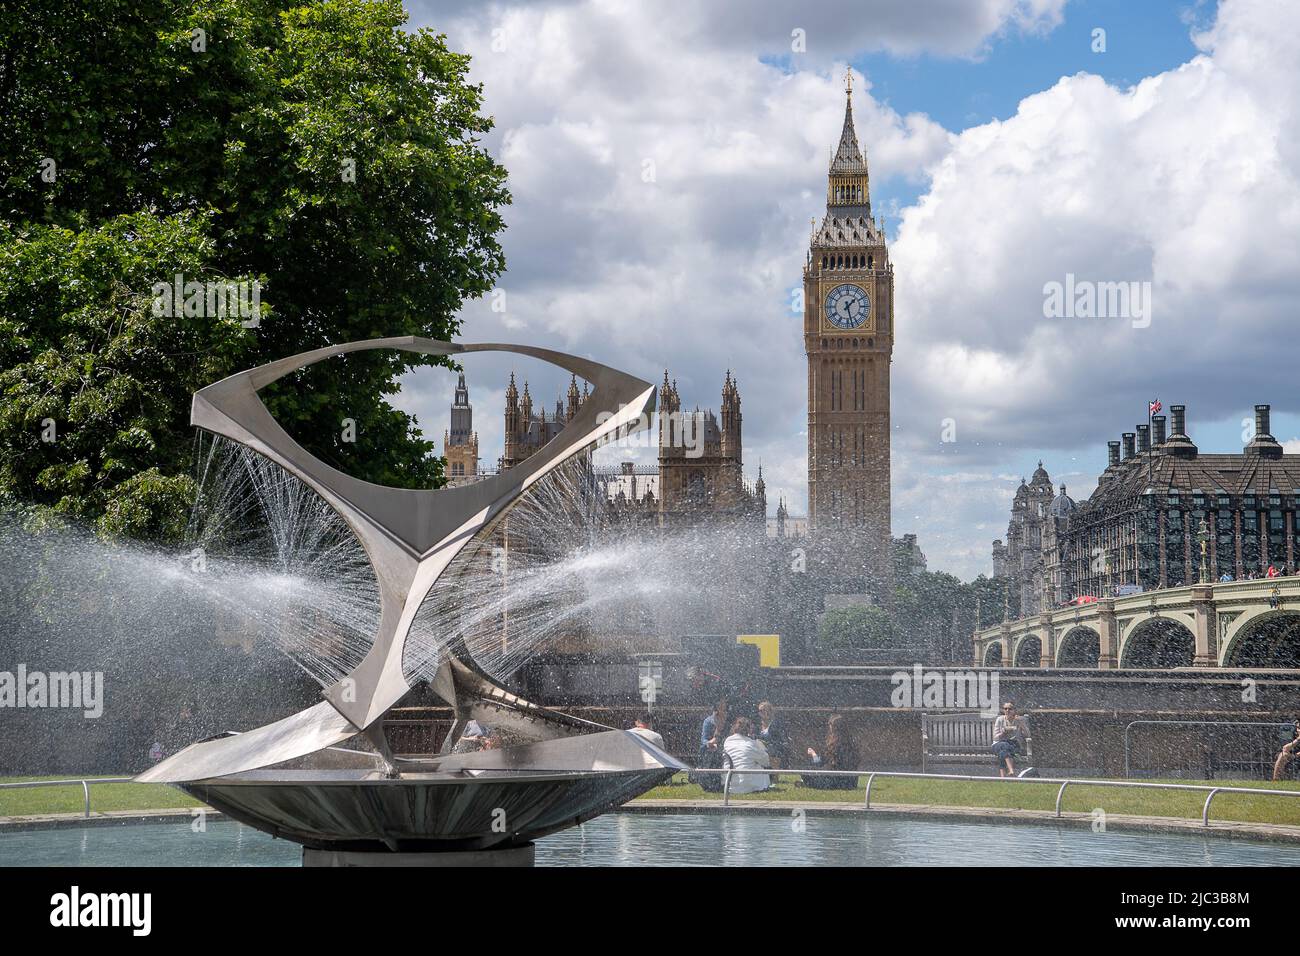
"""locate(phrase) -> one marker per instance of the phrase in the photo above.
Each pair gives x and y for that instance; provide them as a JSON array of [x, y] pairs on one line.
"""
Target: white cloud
[[662, 188], [831, 29], [1187, 180]]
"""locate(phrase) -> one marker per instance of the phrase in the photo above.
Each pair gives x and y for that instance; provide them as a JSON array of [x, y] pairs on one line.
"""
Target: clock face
[[847, 307]]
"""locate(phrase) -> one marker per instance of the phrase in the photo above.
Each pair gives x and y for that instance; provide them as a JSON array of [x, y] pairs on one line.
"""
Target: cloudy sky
[[665, 159]]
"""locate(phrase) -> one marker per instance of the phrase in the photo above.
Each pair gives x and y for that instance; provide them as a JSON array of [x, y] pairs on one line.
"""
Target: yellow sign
[[769, 647]]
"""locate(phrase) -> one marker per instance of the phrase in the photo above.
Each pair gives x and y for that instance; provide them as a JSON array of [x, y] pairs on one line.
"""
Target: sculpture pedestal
[[510, 856]]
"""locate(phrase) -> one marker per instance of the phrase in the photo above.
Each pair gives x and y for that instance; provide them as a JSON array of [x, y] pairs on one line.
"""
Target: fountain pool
[[651, 839]]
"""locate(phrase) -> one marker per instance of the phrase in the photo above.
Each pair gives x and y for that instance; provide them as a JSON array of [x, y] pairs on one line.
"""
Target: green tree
[[92, 380], [995, 598], [924, 608], [317, 148], [865, 627]]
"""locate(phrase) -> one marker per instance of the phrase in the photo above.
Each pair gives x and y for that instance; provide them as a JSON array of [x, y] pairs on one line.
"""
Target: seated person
[[838, 753], [745, 753], [712, 732], [472, 738], [773, 734], [1288, 751], [643, 726], [1009, 734]]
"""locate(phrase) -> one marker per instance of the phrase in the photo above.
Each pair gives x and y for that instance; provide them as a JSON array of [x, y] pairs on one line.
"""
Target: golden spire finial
[[848, 79]]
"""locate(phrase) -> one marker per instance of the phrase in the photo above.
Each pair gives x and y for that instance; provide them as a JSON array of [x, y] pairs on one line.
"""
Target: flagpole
[[1150, 447]]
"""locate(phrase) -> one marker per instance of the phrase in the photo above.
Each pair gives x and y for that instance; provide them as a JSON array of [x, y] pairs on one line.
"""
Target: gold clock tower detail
[[849, 339]]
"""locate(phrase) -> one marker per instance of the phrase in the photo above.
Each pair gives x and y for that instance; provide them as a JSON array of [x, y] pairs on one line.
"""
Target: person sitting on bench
[[1008, 731], [838, 754], [1288, 751]]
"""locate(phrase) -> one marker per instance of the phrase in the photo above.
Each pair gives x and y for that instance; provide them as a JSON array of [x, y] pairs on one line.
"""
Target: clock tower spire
[[849, 342]]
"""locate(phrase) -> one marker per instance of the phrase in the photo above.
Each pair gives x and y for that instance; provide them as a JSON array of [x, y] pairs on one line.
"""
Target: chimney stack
[[1112, 450], [1128, 445], [1144, 439], [1178, 444], [1264, 443], [1178, 421], [1261, 421], [1158, 434]]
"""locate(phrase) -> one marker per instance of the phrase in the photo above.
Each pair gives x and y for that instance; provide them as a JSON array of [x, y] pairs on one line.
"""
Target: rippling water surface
[[635, 839]]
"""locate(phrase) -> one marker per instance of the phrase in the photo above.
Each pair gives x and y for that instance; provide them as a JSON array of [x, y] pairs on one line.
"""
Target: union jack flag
[[1156, 406]]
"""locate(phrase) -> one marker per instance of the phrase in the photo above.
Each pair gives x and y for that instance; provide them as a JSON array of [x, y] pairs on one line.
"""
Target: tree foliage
[[856, 627], [319, 149], [933, 614]]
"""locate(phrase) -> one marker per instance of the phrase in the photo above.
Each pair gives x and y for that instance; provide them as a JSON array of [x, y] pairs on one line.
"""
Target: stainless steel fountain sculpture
[[291, 778]]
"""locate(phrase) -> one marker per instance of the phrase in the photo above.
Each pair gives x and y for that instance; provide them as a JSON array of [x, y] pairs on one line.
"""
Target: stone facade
[[460, 442], [700, 473], [527, 430], [1023, 558], [848, 285], [1160, 504]]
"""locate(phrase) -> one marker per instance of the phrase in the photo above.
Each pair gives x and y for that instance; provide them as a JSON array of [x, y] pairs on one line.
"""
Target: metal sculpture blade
[[410, 537]]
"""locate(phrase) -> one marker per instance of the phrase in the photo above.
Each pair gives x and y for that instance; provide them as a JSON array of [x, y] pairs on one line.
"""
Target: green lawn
[[954, 793], [27, 801], [1025, 796]]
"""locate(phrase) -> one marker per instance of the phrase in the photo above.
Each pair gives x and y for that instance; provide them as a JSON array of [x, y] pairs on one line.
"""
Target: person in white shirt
[[644, 726], [743, 752], [1009, 734]]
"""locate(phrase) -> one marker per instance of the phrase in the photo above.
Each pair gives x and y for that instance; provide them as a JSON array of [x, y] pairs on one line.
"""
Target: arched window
[[869, 262]]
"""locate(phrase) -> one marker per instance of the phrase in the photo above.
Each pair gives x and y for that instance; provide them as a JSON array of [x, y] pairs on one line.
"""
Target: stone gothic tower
[[731, 418], [849, 341], [527, 432], [700, 460], [460, 442], [511, 452]]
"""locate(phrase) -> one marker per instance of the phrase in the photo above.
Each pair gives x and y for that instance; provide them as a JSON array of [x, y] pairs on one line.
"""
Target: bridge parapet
[[1215, 615]]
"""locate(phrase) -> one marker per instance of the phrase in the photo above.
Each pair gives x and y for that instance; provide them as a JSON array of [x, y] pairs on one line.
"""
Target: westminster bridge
[[1236, 624]]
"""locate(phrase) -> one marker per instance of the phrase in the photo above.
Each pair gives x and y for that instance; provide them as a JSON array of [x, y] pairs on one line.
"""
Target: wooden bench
[[961, 738]]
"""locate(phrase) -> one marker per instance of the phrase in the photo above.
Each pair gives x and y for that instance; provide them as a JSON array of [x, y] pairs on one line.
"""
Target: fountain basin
[[365, 811], [494, 799]]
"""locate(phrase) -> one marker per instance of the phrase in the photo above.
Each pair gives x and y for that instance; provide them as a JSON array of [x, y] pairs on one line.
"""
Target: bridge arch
[[993, 654], [1080, 647], [1270, 638], [1158, 642], [1029, 651]]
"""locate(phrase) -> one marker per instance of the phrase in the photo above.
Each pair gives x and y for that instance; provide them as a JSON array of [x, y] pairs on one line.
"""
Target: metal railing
[[1284, 725], [871, 775], [85, 783]]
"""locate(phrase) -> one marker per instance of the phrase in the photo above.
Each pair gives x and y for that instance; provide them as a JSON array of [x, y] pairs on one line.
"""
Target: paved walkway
[[100, 818]]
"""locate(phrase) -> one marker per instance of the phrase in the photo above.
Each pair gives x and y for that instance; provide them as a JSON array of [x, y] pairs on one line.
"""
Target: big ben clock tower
[[848, 337]]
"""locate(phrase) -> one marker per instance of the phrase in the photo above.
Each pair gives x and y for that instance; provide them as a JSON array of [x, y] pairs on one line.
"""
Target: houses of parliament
[[848, 322], [699, 477]]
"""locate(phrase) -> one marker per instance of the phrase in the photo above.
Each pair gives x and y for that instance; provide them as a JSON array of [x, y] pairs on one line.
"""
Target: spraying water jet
[[348, 805]]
